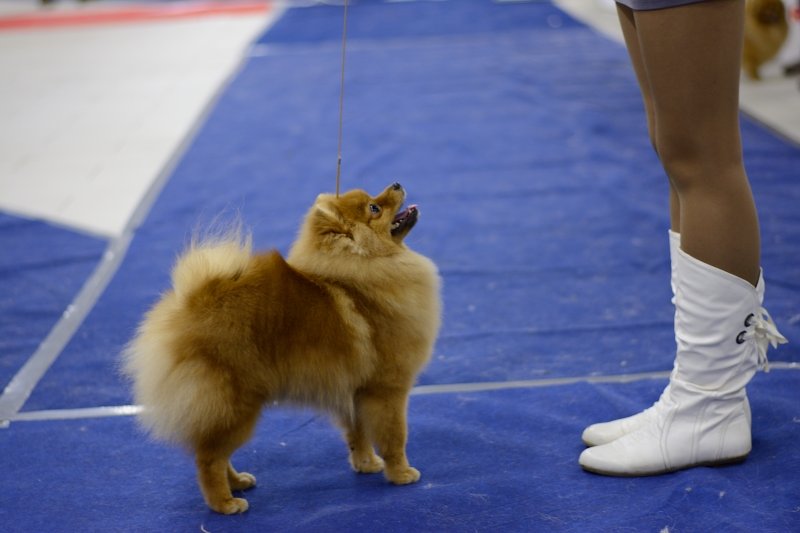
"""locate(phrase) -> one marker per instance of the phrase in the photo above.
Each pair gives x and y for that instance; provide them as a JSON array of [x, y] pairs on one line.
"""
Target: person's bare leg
[[691, 57], [628, 24]]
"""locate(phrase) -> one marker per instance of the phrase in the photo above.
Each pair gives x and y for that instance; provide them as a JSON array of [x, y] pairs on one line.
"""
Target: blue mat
[[41, 270], [520, 134], [490, 461]]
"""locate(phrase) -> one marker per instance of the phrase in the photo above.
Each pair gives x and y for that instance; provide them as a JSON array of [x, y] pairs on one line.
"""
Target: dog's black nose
[[396, 186]]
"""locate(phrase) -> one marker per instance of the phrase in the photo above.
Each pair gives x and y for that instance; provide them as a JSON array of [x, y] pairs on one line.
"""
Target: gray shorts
[[642, 5]]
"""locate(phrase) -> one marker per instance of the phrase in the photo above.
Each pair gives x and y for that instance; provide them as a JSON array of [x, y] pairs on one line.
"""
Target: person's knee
[[701, 147], [693, 160], [681, 156]]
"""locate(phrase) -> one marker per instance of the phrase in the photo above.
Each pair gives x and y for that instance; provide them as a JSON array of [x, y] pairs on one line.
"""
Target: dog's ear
[[327, 217], [325, 208]]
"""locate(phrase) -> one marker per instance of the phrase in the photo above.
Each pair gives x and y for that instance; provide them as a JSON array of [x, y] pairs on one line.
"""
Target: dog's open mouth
[[405, 220]]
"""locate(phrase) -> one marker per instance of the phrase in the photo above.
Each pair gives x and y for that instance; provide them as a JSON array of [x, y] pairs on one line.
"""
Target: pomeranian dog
[[765, 30], [343, 325]]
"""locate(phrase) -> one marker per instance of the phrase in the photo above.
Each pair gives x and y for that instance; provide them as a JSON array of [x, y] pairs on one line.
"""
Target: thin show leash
[[341, 103]]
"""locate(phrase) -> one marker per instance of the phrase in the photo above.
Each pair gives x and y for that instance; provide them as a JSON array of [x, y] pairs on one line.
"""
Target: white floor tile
[[89, 116]]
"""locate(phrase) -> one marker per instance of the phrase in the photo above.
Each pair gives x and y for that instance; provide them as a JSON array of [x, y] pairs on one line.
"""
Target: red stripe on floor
[[127, 14]]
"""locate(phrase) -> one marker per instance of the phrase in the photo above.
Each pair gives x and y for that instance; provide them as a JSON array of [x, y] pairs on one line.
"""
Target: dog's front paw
[[242, 481], [366, 464], [231, 506], [403, 476]]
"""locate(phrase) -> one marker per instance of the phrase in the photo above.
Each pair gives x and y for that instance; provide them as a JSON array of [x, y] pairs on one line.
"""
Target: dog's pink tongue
[[405, 212]]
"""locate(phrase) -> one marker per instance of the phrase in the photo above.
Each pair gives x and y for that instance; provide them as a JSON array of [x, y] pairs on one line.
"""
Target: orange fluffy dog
[[765, 30], [344, 325]]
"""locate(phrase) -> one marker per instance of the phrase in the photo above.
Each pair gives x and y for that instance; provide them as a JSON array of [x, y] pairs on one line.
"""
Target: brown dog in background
[[765, 30], [343, 325]]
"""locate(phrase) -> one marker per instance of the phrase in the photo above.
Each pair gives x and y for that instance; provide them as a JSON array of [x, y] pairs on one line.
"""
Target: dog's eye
[[374, 209]]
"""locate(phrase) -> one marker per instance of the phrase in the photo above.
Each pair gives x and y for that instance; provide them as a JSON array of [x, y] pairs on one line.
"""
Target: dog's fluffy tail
[[223, 256], [174, 390]]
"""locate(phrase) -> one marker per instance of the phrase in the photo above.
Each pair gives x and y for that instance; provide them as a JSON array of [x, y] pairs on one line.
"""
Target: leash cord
[[341, 103]]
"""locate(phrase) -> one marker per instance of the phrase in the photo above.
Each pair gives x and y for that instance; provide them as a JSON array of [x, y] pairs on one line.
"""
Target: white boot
[[701, 418], [606, 432]]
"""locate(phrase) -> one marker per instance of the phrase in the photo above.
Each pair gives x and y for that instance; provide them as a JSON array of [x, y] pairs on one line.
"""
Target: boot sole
[[720, 463]]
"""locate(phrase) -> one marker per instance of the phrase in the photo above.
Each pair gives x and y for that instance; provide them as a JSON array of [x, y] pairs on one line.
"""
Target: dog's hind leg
[[216, 474], [240, 480], [212, 474], [362, 455]]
